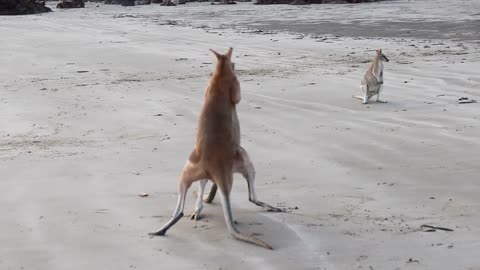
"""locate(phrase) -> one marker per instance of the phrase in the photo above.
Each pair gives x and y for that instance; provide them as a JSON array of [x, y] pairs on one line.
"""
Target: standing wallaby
[[372, 82], [217, 153]]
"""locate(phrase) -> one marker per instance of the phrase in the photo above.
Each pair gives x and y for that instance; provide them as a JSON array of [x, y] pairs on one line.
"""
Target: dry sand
[[90, 96]]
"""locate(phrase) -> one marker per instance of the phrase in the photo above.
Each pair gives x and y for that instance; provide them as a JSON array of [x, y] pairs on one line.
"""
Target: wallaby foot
[[227, 212], [191, 173], [196, 215], [244, 165], [365, 93], [365, 99], [379, 92], [167, 226], [266, 205], [251, 240], [199, 203]]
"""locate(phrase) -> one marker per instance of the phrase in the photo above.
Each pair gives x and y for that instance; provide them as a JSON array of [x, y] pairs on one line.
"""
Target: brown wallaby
[[217, 153]]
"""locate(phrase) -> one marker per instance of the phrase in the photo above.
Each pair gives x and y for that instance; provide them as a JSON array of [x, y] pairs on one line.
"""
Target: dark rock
[[128, 3], [167, 3], [225, 3], [300, 2], [71, 4], [306, 2], [271, 2], [22, 7], [120, 2]]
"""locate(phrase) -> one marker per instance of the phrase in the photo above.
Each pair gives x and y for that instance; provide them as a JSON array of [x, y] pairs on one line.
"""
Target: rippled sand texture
[[100, 104]]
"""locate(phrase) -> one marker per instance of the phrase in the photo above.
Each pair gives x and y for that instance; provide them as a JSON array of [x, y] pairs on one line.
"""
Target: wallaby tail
[[211, 194], [208, 198], [359, 97]]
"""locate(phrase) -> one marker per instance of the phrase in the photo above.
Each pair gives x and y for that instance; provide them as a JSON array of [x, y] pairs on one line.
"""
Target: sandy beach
[[99, 105]]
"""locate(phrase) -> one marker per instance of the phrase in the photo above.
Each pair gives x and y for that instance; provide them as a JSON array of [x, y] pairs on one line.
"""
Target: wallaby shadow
[[209, 235]]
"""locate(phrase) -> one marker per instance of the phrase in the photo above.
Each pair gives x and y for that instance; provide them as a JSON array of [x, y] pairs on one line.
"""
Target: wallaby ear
[[229, 53], [379, 51], [216, 54]]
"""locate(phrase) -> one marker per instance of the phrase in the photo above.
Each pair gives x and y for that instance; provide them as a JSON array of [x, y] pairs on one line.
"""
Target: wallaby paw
[[196, 216], [274, 209], [159, 233]]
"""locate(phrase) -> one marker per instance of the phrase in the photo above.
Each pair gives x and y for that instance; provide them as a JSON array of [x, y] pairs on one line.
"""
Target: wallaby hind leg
[[365, 93], [199, 203], [191, 173], [244, 165], [227, 212], [380, 88]]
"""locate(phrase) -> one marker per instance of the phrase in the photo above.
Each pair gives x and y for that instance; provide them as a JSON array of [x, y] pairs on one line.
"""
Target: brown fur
[[217, 140]]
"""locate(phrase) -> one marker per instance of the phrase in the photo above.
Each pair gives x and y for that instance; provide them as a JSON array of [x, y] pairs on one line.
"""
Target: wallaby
[[217, 153], [372, 82]]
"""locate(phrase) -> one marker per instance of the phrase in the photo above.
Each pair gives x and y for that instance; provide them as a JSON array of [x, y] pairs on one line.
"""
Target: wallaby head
[[224, 62], [381, 56], [224, 78]]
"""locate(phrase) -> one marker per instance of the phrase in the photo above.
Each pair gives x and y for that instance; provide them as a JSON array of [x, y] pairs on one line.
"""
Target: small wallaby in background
[[372, 82], [217, 153]]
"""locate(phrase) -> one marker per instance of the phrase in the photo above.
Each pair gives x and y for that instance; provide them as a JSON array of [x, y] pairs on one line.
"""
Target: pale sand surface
[[364, 178]]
